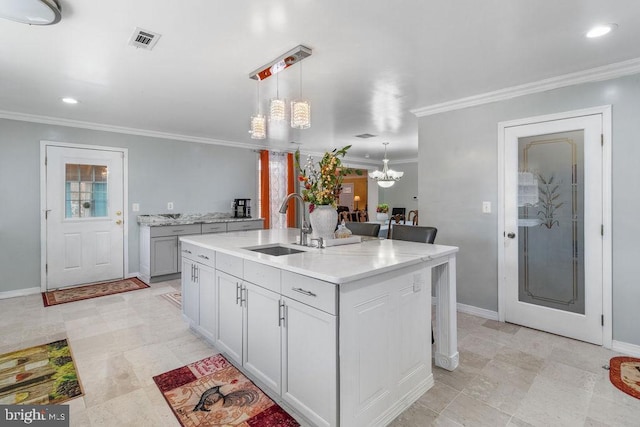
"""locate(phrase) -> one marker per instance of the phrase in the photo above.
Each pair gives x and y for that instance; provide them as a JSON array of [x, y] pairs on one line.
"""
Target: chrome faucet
[[305, 228]]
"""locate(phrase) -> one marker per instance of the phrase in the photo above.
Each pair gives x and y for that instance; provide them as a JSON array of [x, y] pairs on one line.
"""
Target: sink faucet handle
[[320, 241], [306, 227]]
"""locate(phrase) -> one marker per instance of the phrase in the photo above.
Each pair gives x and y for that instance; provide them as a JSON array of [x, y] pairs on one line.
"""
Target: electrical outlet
[[170, 206], [486, 207], [135, 207]]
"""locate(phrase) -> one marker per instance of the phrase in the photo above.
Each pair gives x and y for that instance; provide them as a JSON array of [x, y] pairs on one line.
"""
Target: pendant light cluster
[[300, 112], [387, 177]]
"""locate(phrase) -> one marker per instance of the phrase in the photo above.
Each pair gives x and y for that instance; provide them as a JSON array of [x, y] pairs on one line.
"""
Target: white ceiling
[[373, 62]]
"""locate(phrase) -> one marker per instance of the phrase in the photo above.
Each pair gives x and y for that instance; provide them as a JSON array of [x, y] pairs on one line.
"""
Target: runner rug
[[174, 298], [62, 296], [40, 375], [624, 373], [212, 392]]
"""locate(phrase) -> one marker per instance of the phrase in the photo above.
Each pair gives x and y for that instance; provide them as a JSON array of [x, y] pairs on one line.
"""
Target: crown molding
[[121, 129], [606, 72]]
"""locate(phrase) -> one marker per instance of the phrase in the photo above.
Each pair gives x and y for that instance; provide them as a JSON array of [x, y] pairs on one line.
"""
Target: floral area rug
[[40, 375], [212, 392], [174, 298], [62, 296], [624, 373]]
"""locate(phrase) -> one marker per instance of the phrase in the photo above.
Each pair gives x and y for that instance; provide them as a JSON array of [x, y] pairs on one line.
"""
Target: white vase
[[382, 216], [324, 219]]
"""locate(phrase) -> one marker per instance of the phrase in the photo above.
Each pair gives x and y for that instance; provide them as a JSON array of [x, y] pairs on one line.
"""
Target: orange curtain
[[291, 177], [264, 188]]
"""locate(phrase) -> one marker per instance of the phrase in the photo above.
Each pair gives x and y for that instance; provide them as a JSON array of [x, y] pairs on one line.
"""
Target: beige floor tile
[[415, 416], [471, 412], [565, 373], [438, 397], [613, 413]]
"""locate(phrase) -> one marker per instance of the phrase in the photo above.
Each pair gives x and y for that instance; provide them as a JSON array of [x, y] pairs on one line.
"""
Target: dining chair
[[413, 219], [413, 233], [393, 220], [363, 216], [344, 215], [363, 228]]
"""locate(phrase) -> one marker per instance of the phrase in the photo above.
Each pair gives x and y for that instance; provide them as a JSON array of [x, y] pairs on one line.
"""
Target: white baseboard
[[626, 348], [470, 309], [19, 293]]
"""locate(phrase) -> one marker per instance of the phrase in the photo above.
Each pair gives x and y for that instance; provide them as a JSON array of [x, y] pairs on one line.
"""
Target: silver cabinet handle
[[203, 256], [197, 273], [280, 313], [243, 295], [305, 292], [177, 231], [186, 251], [238, 293], [193, 274]]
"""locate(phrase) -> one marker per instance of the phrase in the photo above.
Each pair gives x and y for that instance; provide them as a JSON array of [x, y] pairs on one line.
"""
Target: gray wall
[[402, 194], [464, 142], [195, 177]]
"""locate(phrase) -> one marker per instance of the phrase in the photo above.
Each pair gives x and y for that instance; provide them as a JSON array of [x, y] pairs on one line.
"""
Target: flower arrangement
[[383, 208], [322, 182]]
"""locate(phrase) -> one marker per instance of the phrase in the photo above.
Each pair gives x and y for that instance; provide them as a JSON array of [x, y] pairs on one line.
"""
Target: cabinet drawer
[[175, 230], [244, 225], [216, 227], [198, 254], [229, 264], [310, 291], [262, 275]]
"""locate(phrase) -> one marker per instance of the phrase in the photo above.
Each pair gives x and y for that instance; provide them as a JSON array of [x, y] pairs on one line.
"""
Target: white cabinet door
[[309, 362], [164, 255], [190, 291], [229, 313], [206, 277], [262, 331]]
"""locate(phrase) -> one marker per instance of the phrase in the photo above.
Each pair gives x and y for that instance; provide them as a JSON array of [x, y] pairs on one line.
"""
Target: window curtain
[[264, 188], [277, 188]]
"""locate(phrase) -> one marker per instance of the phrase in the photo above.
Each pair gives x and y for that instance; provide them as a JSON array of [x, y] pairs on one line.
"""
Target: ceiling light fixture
[[601, 30], [284, 61], [277, 105], [258, 122], [32, 12], [68, 100], [387, 177], [300, 110]]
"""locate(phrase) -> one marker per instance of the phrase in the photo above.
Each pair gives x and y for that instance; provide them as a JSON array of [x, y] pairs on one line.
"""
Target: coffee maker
[[242, 208]]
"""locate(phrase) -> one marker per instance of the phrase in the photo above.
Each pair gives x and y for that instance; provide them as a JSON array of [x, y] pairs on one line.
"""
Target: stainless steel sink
[[275, 250]]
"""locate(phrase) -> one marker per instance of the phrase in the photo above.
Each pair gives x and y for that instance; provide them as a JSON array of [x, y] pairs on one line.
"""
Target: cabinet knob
[[511, 235], [119, 221]]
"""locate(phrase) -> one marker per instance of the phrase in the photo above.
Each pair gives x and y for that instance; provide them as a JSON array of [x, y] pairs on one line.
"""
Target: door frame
[[43, 202], [605, 112]]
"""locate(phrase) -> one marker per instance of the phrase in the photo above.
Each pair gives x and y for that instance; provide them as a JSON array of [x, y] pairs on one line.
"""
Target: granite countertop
[[196, 218], [335, 264]]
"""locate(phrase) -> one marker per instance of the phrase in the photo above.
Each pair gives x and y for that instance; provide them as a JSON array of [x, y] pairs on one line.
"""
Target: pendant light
[[387, 177], [300, 110], [277, 105], [258, 122]]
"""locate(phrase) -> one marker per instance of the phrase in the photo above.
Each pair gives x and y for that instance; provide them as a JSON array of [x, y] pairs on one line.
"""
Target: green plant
[[548, 200], [382, 207], [322, 182]]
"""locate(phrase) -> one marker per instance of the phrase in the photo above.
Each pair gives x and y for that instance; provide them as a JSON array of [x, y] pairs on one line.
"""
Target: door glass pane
[[85, 191], [551, 220]]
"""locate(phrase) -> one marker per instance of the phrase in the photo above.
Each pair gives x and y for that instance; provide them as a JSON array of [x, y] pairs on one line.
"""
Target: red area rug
[[624, 373], [62, 296], [212, 392]]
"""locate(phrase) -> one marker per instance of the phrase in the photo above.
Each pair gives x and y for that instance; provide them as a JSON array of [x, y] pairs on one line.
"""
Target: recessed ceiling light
[[68, 100], [601, 30]]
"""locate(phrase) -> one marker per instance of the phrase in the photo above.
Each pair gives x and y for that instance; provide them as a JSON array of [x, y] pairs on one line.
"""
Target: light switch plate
[[486, 207], [170, 206], [135, 207]]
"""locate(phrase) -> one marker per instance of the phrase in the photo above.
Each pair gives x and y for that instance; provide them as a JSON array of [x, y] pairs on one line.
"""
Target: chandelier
[[387, 177], [300, 108]]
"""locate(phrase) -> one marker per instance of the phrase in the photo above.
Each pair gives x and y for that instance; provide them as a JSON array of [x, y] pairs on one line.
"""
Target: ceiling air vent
[[143, 39], [365, 136]]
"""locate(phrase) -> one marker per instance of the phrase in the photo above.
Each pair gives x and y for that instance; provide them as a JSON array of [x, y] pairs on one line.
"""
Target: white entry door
[[553, 220], [84, 216]]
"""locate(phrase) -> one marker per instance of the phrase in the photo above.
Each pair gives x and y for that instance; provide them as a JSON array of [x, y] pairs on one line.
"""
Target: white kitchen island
[[342, 335]]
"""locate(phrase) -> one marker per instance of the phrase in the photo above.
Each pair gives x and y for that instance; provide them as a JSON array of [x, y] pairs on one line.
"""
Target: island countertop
[[335, 264]]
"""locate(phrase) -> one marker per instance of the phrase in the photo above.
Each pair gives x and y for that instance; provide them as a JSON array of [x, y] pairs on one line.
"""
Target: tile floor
[[508, 375]]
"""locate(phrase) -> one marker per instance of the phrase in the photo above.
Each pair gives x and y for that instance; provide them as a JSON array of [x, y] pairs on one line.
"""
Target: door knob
[[511, 235], [119, 221], [118, 213]]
